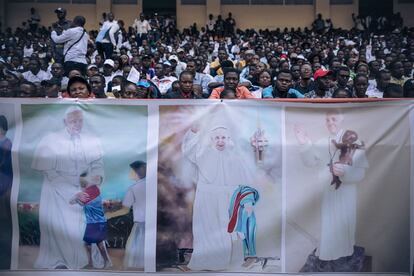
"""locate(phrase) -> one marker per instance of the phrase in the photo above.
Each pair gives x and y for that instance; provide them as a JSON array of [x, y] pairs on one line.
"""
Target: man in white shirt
[[383, 78], [75, 47], [35, 74], [160, 80], [142, 26], [211, 22], [105, 41], [28, 49]]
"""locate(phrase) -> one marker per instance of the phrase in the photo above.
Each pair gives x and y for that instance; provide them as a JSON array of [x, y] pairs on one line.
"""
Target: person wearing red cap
[[323, 89]]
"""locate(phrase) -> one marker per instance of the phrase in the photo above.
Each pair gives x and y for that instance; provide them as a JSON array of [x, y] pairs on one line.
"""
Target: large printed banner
[[203, 186]]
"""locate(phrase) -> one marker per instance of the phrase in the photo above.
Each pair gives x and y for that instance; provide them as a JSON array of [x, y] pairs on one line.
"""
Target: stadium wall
[[247, 16], [407, 12]]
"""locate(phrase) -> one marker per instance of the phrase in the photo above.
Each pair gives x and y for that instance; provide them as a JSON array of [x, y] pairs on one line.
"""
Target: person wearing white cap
[[177, 65], [162, 81], [108, 72], [92, 70]]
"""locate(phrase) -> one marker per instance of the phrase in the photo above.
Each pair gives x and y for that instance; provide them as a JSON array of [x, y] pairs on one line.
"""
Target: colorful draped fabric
[[242, 221]]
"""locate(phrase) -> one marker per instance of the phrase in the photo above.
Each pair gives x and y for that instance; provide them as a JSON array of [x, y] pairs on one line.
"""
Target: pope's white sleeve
[[309, 156], [190, 145], [356, 172]]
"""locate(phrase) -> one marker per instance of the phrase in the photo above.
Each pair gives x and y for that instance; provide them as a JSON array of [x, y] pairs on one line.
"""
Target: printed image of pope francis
[[62, 157]]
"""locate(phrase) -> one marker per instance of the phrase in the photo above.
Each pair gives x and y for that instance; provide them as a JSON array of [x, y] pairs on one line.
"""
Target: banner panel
[[248, 187]]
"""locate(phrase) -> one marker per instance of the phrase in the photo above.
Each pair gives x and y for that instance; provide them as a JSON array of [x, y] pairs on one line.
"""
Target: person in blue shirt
[[96, 229]]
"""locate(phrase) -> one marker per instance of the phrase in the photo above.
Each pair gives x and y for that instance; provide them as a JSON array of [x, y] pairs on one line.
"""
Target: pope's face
[[333, 122], [74, 122], [220, 139]]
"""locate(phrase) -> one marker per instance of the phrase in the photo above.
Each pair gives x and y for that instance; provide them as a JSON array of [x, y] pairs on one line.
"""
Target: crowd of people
[[152, 59]]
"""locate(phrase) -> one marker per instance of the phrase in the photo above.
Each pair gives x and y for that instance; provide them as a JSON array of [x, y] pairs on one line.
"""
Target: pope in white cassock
[[220, 170], [338, 209], [62, 157]]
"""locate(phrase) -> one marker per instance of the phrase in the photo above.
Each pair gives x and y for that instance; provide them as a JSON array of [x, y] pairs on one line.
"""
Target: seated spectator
[[341, 92], [78, 87], [129, 91], [200, 79], [228, 94], [51, 88], [408, 88], [117, 81], [360, 86], [393, 90], [92, 70], [4, 89], [162, 81], [35, 74], [185, 90], [282, 85], [216, 67], [231, 80], [108, 72], [265, 83], [408, 69], [143, 90], [218, 80], [323, 89], [306, 84], [75, 73], [58, 73], [397, 73], [97, 84], [383, 78], [27, 89], [342, 78]]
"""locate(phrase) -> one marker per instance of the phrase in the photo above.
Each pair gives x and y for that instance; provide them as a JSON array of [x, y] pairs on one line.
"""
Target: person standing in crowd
[[75, 41], [230, 24], [59, 26], [211, 23], [34, 20], [105, 41], [142, 28]]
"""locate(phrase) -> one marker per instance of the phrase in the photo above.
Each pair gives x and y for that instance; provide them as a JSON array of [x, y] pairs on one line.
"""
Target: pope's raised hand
[[301, 134]]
